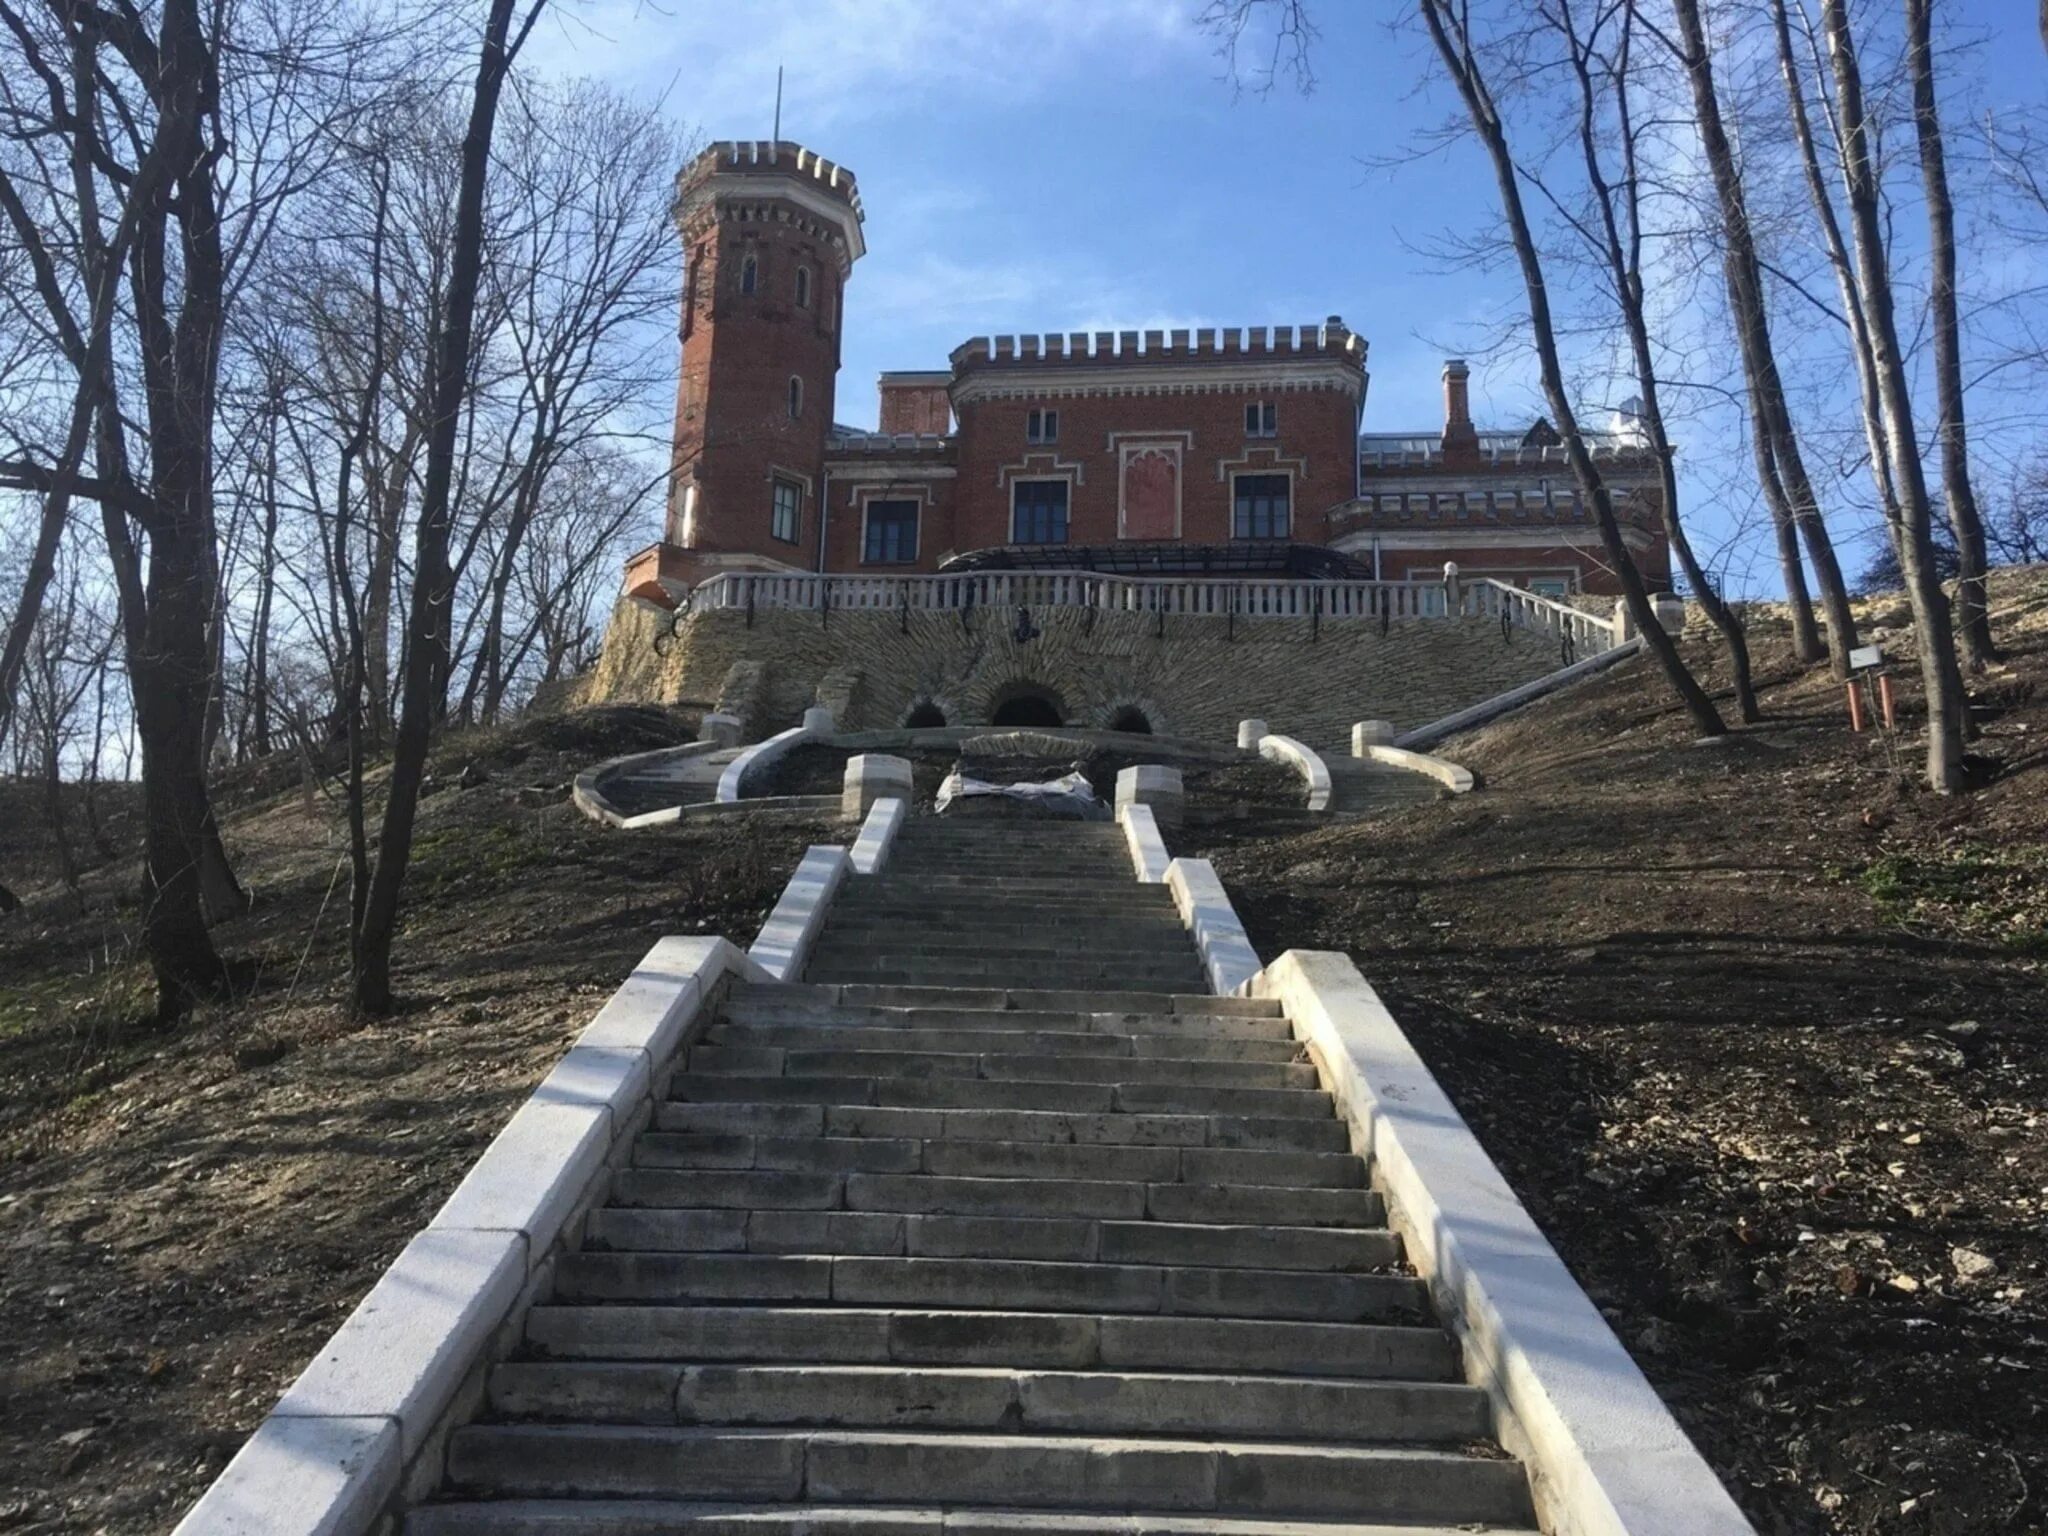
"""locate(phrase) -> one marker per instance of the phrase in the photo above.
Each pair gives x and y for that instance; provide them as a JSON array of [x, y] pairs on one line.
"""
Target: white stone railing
[[1590, 633], [1206, 596]]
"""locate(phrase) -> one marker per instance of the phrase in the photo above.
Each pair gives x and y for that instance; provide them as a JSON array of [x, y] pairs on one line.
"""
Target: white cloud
[[846, 60]]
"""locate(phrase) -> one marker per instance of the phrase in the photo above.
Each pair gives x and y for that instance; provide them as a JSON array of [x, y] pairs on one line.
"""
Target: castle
[[1203, 453]]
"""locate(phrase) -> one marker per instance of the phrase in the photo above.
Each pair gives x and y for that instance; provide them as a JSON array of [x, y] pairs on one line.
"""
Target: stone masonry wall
[[1195, 682]]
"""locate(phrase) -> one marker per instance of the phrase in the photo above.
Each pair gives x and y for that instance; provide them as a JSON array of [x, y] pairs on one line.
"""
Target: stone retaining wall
[[1198, 680]]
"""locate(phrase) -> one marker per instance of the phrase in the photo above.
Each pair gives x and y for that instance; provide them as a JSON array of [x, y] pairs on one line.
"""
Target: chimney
[[1461, 438], [916, 403]]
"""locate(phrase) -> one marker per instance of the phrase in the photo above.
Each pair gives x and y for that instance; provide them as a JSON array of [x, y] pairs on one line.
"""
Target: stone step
[[982, 1158], [1063, 1341], [1068, 999], [1032, 925], [1124, 1043], [965, 1398], [841, 952], [1067, 1472], [1022, 973], [931, 1194], [997, 1066], [1106, 941], [998, 901], [1032, 1285], [986, 1093], [646, 1517], [741, 1119], [841, 1016], [1056, 1239]]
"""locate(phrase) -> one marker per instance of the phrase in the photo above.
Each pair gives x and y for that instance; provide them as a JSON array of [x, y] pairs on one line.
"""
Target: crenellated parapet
[[740, 180], [1331, 339]]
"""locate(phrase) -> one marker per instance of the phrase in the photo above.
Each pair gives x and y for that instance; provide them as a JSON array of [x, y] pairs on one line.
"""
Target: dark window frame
[[1042, 425], [1252, 506], [795, 489], [803, 287], [750, 274], [795, 396], [1048, 513], [1261, 418], [875, 539]]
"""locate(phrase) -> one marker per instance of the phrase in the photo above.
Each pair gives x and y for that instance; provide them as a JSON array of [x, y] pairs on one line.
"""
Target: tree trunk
[[428, 625], [1910, 516], [1479, 106], [1973, 622], [1743, 273]]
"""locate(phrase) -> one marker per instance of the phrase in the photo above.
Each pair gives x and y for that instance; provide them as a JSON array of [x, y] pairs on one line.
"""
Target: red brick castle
[[1185, 452]]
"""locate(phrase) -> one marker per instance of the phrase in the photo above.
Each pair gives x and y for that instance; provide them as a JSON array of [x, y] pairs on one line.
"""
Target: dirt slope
[[1757, 1031], [185, 1216]]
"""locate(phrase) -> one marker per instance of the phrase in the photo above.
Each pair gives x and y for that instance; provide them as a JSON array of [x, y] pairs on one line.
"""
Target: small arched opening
[[1028, 705], [923, 715], [1130, 718]]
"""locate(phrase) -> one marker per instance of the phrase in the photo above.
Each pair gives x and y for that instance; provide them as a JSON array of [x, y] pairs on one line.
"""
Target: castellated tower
[[770, 233]]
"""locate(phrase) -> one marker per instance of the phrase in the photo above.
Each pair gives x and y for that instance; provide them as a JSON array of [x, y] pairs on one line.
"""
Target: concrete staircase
[[1003, 903], [1360, 787], [986, 1260]]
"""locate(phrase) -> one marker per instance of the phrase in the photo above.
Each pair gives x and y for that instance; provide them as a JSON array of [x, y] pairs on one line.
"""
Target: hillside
[[1754, 1028], [1756, 1031]]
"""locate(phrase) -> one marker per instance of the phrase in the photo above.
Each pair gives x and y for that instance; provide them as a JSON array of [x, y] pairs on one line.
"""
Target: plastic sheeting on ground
[[1070, 799]]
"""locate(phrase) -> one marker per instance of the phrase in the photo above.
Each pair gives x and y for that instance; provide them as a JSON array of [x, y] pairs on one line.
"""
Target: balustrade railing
[[1204, 597]]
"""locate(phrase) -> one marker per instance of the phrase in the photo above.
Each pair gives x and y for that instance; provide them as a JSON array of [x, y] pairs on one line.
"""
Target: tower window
[[803, 287], [785, 520], [891, 534], [796, 397], [1042, 427], [1261, 506], [1038, 512], [1261, 419], [750, 274]]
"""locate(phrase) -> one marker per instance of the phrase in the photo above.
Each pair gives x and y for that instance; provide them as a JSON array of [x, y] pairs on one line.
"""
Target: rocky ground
[[1756, 1030], [184, 1215]]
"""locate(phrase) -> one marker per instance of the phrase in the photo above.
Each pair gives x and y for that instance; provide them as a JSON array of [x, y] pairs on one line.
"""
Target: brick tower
[[770, 233]]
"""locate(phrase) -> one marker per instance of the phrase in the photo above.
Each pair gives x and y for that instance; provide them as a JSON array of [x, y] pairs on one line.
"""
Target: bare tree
[[428, 626], [1599, 50], [1973, 623], [1781, 465], [1450, 30], [1889, 408]]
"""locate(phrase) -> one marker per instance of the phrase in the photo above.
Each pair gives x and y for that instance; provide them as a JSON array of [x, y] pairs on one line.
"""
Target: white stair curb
[[1605, 1456], [1149, 857], [332, 1453], [1458, 780], [1305, 761], [885, 819]]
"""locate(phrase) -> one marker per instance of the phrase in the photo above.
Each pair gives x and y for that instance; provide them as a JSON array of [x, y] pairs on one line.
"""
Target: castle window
[[1042, 427], [1261, 506], [1261, 419], [785, 519], [796, 397], [750, 274], [803, 287], [1038, 512], [891, 537]]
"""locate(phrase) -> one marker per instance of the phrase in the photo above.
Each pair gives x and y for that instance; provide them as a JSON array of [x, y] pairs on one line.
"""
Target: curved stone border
[[1491, 709], [878, 834], [1605, 1456], [766, 807], [1305, 761], [337, 1447], [759, 755], [1458, 780], [588, 790]]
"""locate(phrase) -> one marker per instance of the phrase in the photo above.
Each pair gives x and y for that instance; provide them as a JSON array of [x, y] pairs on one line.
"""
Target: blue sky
[[1056, 165]]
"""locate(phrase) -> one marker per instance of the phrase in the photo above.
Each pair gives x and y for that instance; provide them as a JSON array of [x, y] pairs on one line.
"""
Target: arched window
[[796, 397], [803, 287], [750, 275]]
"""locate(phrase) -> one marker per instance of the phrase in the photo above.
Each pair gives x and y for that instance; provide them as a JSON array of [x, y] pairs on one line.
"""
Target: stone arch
[[1130, 718], [924, 714], [1027, 704]]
